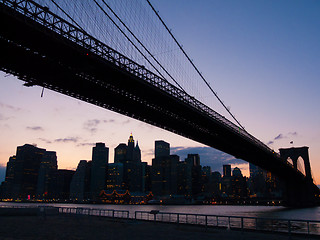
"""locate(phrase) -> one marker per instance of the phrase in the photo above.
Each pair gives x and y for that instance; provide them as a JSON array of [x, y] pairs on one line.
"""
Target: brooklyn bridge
[[54, 51]]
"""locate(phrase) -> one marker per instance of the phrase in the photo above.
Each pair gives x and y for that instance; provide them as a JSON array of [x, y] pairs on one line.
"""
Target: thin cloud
[[109, 121], [293, 133], [208, 156], [45, 140], [67, 140], [280, 136], [175, 149], [35, 128], [3, 118], [7, 106], [85, 144], [92, 124]]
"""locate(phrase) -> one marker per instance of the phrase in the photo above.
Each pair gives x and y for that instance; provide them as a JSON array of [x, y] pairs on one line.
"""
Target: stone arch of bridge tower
[[294, 154]]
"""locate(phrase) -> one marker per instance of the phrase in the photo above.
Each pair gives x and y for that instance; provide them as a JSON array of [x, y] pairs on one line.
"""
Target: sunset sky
[[262, 57]]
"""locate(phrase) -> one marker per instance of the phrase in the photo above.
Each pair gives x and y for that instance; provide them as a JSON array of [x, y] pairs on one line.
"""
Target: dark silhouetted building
[[100, 158], [161, 149], [226, 181], [164, 171], [23, 171], [47, 177], [257, 181], [130, 156], [184, 179], [194, 161], [7, 184], [120, 153], [216, 185], [115, 176], [146, 180], [64, 178], [238, 184], [227, 170], [80, 183]]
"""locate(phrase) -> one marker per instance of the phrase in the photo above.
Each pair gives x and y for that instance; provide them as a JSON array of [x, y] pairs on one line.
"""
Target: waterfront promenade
[[82, 227]]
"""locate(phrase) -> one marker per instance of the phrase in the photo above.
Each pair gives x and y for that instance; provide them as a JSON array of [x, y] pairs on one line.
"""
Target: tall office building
[[238, 184], [100, 158], [7, 184], [64, 178], [47, 177], [184, 178], [133, 167], [79, 186], [226, 181], [227, 170], [193, 160], [161, 149], [130, 156], [120, 153], [164, 175], [164, 171], [22, 172], [115, 176]]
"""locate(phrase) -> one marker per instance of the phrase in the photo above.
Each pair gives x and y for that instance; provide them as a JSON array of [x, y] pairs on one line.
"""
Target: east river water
[[275, 212]]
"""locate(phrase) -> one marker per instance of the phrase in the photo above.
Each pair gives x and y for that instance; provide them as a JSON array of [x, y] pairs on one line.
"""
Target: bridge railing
[[289, 226], [43, 210], [95, 212], [57, 24]]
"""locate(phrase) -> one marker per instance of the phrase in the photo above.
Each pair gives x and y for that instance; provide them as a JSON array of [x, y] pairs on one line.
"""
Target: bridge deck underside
[[42, 57]]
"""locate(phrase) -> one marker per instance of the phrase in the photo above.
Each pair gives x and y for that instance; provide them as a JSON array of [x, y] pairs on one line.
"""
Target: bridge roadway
[[42, 49]]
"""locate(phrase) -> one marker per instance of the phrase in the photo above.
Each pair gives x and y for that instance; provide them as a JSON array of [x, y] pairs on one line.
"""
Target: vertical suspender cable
[[194, 66], [143, 46]]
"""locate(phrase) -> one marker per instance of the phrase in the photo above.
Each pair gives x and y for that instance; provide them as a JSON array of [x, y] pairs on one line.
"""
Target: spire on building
[[131, 140]]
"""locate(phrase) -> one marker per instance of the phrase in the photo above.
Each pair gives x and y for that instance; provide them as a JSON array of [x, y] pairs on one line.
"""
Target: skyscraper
[[115, 176], [47, 178], [120, 153], [164, 171], [226, 181], [7, 185], [23, 172], [193, 160], [161, 149], [79, 186], [130, 156], [100, 158], [227, 170], [64, 178], [164, 175], [133, 167]]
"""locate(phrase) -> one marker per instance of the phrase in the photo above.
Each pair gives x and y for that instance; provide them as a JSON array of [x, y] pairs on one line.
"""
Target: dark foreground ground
[[91, 227]]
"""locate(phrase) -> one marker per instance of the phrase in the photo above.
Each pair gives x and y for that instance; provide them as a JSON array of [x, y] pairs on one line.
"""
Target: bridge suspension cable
[[193, 65], [126, 36], [143, 46], [61, 9]]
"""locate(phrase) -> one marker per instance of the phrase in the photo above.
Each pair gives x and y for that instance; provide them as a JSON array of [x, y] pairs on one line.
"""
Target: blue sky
[[262, 57]]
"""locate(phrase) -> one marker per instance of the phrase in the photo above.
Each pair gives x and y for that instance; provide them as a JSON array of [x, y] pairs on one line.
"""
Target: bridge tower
[[294, 154], [299, 194]]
